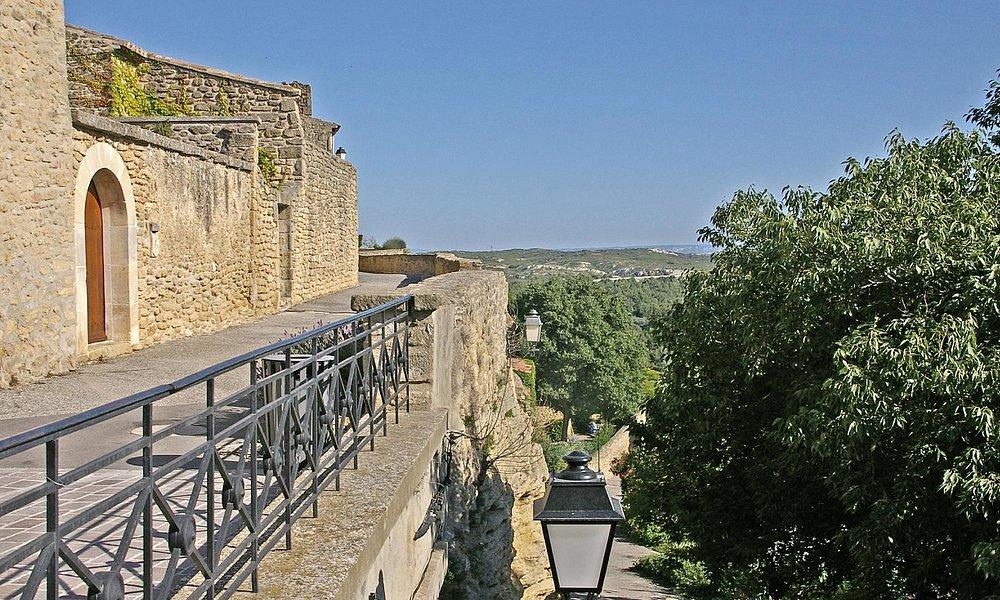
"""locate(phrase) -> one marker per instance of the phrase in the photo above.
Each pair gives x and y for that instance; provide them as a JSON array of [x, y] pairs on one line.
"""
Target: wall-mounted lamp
[[533, 327], [341, 153], [154, 239]]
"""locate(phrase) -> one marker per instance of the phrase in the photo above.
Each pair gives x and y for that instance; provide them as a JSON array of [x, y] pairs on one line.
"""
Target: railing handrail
[[44, 433]]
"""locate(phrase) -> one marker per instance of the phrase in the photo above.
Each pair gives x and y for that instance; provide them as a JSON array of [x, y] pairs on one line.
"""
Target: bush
[[673, 566], [129, 98], [825, 420], [394, 243]]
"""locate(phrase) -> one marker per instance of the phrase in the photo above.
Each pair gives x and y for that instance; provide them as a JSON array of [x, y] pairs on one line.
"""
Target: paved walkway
[[100, 538], [621, 583], [94, 384]]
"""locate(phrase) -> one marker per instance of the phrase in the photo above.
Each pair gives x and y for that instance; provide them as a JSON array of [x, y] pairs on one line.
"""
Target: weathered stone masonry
[[205, 275], [37, 313], [196, 237]]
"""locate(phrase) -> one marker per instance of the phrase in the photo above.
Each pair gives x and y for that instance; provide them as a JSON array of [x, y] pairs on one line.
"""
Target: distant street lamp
[[578, 519], [533, 327]]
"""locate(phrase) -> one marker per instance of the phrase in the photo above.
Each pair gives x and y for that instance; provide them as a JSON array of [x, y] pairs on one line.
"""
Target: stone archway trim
[[100, 156]]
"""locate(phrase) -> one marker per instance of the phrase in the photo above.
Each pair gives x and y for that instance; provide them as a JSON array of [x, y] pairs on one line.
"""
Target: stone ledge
[[332, 555], [433, 292], [321, 123], [107, 125], [434, 576]]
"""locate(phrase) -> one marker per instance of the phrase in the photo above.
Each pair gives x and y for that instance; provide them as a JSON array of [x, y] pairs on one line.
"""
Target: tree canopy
[[825, 424], [591, 357]]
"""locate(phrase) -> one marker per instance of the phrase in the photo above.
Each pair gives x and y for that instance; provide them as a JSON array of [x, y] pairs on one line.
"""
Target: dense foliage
[[591, 358], [825, 422]]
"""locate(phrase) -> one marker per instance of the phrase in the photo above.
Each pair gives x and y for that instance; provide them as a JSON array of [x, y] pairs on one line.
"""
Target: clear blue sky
[[563, 124]]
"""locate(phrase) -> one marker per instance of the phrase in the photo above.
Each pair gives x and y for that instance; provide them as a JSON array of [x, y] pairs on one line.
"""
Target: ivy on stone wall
[[85, 70], [130, 99], [265, 164], [224, 108]]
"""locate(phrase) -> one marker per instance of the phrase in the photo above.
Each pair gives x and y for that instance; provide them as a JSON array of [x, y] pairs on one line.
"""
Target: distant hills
[[614, 263]]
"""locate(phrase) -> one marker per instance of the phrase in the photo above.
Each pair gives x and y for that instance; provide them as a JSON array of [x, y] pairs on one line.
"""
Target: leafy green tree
[[987, 117], [591, 357], [825, 424]]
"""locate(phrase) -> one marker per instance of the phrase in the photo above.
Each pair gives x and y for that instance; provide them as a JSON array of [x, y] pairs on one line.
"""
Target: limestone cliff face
[[498, 550], [459, 361]]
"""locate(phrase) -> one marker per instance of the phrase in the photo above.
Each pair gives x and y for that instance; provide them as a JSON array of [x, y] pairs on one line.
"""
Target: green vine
[[130, 99], [266, 165], [224, 108]]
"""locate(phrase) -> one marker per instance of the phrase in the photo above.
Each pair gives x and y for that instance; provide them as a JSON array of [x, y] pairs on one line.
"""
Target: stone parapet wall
[[232, 136], [400, 261], [615, 448], [37, 311], [363, 538], [458, 361]]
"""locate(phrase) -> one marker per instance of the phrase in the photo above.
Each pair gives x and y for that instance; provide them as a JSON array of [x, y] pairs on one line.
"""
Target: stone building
[[145, 199]]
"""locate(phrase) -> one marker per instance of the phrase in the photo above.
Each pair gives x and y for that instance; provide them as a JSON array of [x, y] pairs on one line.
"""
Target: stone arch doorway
[[106, 269]]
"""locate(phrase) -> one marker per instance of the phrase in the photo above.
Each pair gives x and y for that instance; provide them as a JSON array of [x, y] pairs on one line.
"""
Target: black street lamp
[[578, 519]]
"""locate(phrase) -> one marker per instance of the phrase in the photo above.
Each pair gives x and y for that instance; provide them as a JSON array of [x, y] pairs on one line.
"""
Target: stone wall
[[458, 361], [316, 190], [37, 305], [232, 136], [214, 265], [401, 261], [198, 89], [324, 220]]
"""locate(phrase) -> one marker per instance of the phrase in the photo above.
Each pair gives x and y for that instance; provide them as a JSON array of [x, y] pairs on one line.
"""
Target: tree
[[987, 117], [591, 357], [825, 423], [394, 243]]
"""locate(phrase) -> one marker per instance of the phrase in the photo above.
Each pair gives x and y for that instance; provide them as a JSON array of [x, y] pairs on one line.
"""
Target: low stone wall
[[458, 361], [232, 136], [363, 538], [401, 261], [615, 448]]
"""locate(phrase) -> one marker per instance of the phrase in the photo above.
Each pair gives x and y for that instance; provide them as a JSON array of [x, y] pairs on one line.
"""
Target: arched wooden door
[[94, 240]]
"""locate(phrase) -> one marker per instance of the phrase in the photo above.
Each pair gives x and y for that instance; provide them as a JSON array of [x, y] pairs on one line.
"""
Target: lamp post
[[578, 519]]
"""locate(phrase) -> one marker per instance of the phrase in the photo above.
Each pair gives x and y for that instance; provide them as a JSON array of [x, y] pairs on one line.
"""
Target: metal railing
[[192, 505]]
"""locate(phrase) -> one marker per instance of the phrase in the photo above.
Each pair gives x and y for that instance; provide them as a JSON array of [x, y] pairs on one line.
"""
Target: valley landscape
[[599, 263]]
